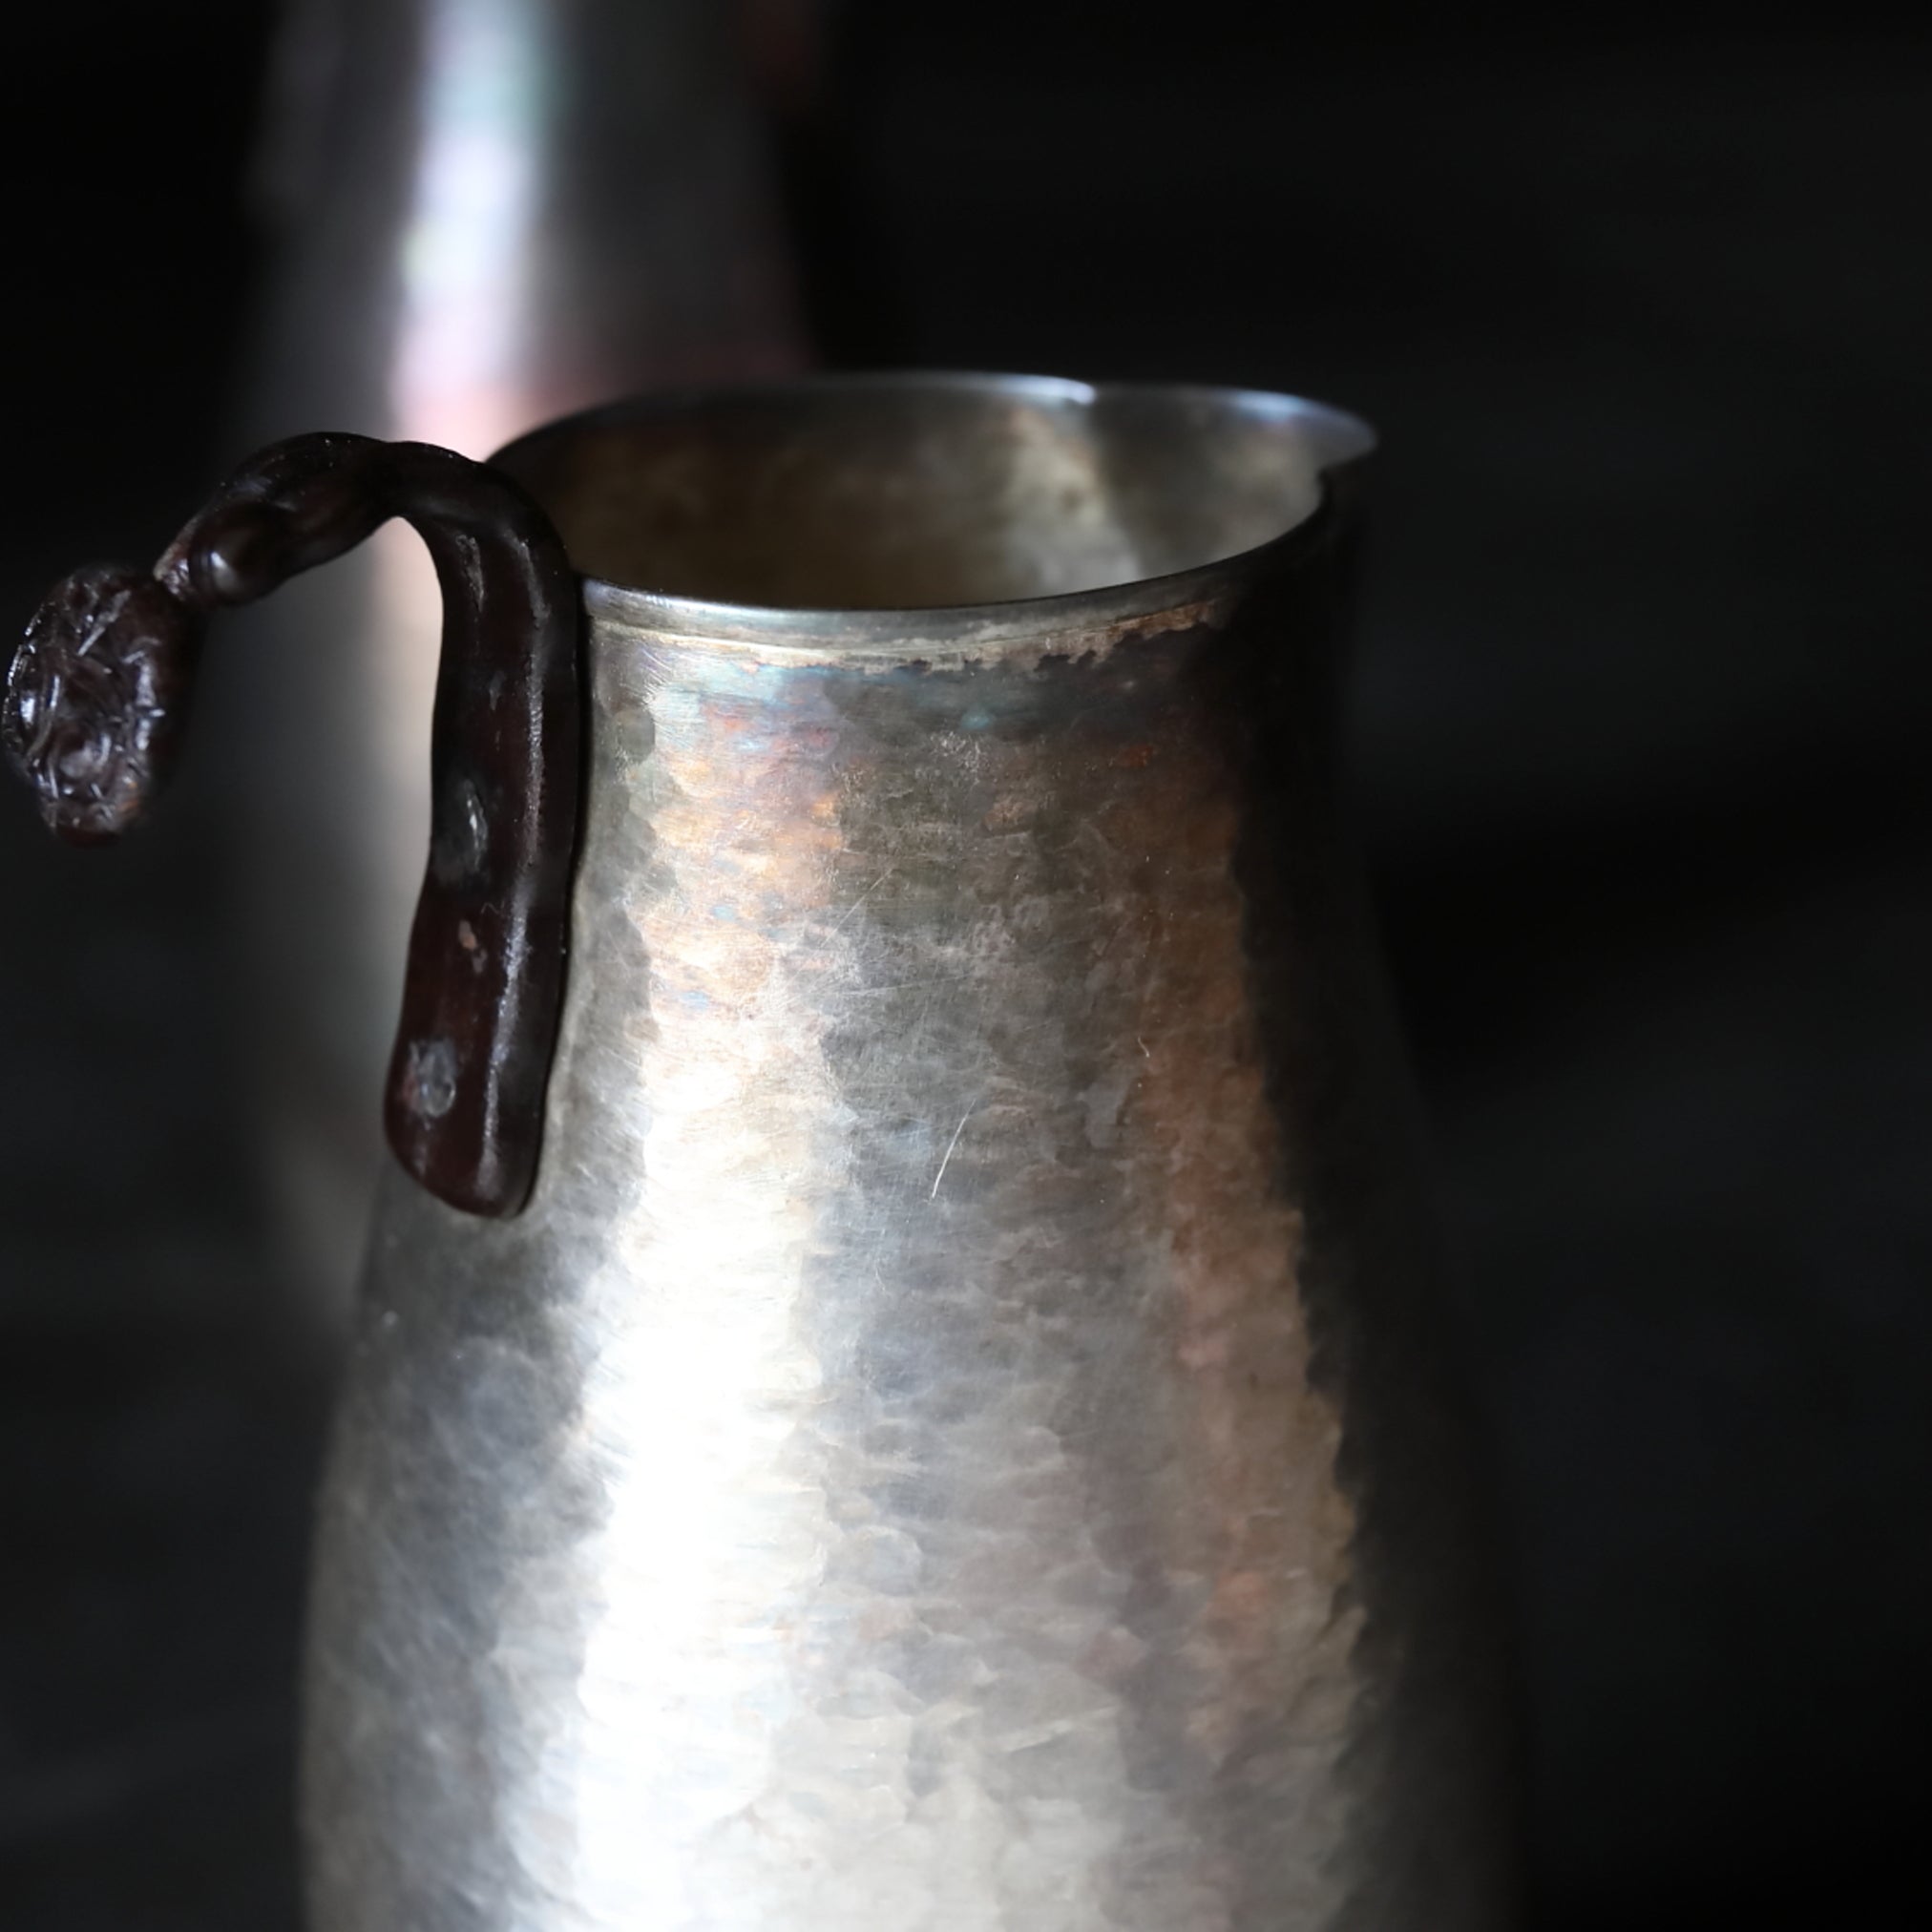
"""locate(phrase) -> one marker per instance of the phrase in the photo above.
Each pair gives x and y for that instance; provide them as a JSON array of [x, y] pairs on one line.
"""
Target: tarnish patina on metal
[[96, 692], [960, 1439]]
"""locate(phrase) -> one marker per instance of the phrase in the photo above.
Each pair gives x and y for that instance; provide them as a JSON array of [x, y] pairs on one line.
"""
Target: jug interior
[[919, 492]]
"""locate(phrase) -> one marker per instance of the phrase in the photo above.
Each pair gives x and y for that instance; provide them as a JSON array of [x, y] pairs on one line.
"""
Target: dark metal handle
[[97, 691]]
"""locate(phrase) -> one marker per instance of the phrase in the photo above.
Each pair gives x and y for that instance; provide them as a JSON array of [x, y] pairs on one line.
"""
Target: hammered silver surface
[[956, 1444]]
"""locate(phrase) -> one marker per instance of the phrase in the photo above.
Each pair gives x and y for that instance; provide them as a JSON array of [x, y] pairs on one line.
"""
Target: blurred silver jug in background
[[486, 213], [899, 1384]]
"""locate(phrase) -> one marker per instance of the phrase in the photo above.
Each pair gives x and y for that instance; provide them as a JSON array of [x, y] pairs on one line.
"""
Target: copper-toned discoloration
[[96, 692]]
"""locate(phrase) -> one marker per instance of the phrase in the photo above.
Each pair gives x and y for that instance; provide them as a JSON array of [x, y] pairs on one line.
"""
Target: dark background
[[1642, 304]]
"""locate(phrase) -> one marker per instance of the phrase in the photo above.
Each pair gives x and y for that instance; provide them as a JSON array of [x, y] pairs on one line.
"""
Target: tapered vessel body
[[959, 1438]]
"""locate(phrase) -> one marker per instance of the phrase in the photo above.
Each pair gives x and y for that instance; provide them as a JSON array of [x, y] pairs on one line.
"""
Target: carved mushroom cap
[[92, 708]]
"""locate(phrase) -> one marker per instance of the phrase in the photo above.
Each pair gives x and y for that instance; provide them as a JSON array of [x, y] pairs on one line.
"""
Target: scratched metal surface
[[957, 1441]]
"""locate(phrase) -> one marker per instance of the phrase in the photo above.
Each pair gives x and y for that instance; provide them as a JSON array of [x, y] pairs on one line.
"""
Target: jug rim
[[1342, 441]]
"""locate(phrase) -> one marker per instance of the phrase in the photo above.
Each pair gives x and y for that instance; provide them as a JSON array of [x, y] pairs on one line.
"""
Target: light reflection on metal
[[460, 373]]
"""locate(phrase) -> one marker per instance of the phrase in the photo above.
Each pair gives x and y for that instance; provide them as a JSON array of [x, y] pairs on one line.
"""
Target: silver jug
[[939, 1417]]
